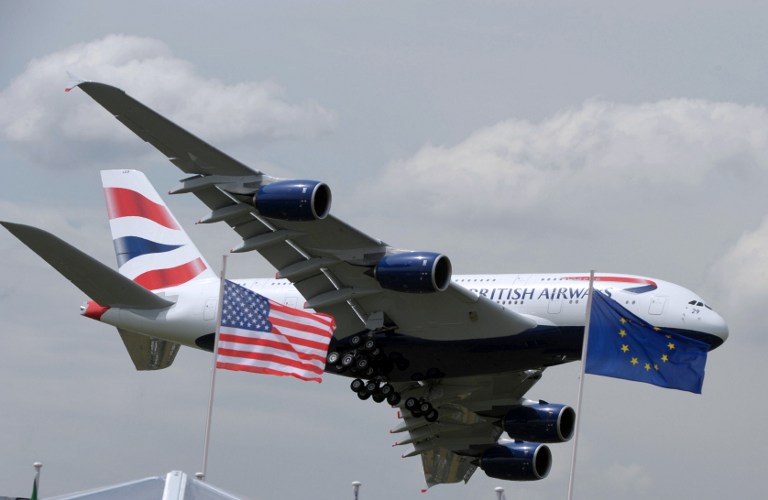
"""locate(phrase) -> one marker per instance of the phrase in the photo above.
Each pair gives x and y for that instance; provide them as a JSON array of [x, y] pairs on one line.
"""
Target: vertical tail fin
[[152, 248]]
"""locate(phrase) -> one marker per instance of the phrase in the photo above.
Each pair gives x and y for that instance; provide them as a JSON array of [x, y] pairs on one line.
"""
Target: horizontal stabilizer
[[102, 284], [149, 353]]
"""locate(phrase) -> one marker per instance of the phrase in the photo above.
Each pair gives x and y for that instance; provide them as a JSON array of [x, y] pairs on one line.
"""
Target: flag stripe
[[266, 371], [251, 358], [275, 341], [295, 344], [308, 331]]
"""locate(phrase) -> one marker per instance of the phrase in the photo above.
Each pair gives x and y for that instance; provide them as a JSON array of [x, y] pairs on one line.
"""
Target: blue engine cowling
[[415, 272], [293, 200], [542, 422], [517, 461]]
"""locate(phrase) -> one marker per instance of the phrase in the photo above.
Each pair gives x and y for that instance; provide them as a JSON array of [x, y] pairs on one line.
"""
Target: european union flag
[[624, 346]]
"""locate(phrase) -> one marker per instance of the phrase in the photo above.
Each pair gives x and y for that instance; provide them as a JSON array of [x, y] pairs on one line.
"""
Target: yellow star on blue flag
[[624, 346]]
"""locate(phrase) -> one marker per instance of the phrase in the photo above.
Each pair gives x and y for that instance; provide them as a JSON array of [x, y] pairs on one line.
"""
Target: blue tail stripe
[[129, 247]]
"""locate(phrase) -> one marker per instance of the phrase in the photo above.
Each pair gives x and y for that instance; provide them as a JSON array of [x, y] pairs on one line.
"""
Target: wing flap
[[102, 284]]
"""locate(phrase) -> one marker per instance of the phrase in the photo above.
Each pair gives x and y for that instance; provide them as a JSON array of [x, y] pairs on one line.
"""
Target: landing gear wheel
[[371, 386], [378, 397], [347, 360], [356, 340], [431, 416], [387, 389], [333, 357], [363, 394], [425, 407], [411, 404], [357, 385], [393, 399], [369, 345], [362, 363]]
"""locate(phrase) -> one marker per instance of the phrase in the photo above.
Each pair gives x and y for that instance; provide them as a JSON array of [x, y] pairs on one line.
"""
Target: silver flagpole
[[213, 369], [581, 383]]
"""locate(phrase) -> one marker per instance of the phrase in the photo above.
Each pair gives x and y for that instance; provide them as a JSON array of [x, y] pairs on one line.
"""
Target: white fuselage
[[551, 299]]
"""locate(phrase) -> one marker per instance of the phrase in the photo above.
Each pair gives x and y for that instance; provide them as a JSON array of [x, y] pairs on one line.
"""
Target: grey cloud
[[49, 125]]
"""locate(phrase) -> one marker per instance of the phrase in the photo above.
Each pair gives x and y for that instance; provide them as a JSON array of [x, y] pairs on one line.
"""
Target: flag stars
[[647, 367], [664, 358], [671, 346], [624, 348], [622, 333], [634, 361]]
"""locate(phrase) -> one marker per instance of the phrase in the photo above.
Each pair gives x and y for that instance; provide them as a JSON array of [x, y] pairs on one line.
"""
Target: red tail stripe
[[123, 202], [172, 276]]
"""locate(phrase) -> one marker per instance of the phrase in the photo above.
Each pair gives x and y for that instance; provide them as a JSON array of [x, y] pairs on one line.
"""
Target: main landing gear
[[421, 408], [365, 359], [378, 390]]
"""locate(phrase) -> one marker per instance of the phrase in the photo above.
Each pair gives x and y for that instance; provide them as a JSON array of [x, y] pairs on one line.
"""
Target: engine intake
[[293, 200], [517, 461], [414, 272], [541, 422]]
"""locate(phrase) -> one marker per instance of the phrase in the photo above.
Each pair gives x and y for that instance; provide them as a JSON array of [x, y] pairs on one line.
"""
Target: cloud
[[49, 125], [590, 152], [739, 278], [618, 182]]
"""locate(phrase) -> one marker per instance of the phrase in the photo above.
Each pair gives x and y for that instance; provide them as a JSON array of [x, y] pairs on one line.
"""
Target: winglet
[[73, 82]]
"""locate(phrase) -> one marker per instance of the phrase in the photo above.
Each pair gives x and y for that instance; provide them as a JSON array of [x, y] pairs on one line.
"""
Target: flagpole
[[36, 483], [213, 369], [581, 383]]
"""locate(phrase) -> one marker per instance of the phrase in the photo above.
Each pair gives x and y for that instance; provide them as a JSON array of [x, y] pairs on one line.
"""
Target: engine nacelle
[[541, 422], [293, 200], [415, 272], [517, 461]]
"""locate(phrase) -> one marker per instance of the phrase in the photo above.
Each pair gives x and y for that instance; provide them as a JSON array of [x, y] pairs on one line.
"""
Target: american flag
[[261, 336]]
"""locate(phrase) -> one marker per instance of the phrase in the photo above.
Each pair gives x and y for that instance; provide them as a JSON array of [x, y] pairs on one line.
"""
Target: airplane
[[456, 354]]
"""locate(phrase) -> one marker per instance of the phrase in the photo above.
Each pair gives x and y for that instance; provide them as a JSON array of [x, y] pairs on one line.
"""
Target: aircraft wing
[[327, 260], [470, 412]]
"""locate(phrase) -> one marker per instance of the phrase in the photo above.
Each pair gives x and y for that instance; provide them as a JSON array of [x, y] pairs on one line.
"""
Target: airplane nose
[[717, 327]]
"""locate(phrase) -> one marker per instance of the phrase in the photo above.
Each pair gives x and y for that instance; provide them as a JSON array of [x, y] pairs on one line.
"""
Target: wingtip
[[74, 82]]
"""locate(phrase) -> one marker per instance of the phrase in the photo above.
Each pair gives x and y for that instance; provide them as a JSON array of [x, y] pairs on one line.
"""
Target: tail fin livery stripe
[[173, 276], [165, 260], [123, 202], [152, 248], [129, 247], [147, 229]]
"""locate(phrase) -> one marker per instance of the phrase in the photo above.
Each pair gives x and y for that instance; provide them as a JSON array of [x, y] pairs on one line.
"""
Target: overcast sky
[[513, 136]]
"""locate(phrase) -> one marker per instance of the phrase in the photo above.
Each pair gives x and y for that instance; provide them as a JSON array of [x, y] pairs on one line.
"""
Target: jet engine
[[517, 461], [293, 200], [542, 422], [414, 272]]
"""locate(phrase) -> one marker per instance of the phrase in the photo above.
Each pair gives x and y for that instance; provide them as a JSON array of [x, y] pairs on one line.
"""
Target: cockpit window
[[699, 303]]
